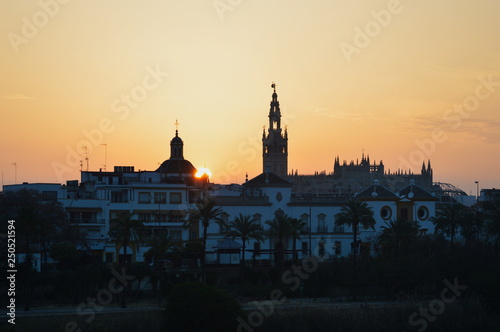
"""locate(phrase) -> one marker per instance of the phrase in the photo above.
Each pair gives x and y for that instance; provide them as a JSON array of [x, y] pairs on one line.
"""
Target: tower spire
[[176, 144], [274, 111], [275, 143]]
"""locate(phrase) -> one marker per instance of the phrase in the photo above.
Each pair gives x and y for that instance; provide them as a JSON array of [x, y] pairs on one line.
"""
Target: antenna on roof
[[105, 155], [86, 157]]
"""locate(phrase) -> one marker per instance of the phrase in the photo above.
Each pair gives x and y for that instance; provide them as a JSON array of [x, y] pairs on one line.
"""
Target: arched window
[[322, 228]]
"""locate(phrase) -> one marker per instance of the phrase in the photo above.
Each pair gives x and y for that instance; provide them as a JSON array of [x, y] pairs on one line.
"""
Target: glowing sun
[[203, 171]]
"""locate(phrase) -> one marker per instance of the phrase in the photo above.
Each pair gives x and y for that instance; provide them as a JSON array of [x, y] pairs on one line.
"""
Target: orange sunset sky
[[403, 81]]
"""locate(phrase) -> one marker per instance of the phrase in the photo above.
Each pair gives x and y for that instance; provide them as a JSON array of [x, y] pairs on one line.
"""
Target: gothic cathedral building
[[345, 178]]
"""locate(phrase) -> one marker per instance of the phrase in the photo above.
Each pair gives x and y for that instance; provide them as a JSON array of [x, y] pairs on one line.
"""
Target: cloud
[[484, 130], [337, 114], [16, 96], [479, 129]]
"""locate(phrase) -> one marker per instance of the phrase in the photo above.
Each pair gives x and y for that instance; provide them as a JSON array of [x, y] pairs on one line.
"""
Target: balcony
[[242, 200], [338, 229], [311, 200], [87, 221]]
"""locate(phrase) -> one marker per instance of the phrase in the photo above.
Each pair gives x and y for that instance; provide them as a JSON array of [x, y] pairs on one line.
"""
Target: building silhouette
[[162, 200], [275, 142]]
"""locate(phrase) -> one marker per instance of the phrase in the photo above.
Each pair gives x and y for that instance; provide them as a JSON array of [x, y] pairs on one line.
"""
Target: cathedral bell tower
[[275, 143]]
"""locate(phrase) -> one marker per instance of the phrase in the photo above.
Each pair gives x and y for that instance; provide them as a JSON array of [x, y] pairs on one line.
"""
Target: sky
[[105, 81]]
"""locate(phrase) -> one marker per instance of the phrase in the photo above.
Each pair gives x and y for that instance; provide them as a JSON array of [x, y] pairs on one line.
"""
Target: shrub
[[194, 306]]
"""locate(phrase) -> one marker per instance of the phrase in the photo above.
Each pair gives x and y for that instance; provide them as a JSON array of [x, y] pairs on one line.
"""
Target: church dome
[[176, 166], [176, 169], [176, 140]]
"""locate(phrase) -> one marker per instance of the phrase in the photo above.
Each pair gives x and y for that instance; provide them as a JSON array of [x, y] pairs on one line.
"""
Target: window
[[175, 198], [144, 217], [83, 217], [160, 198], [256, 249], [339, 229], [321, 223], [305, 220], [119, 196], [176, 235], [192, 196], [423, 213], [144, 198], [49, 195], [305, 249], [162, 217], [386, 213]]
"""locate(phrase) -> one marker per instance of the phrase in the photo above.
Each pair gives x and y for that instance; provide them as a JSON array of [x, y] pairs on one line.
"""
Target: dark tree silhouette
[[206, 212], [355, 214], [398, 235], [245, 228], [279, 231], [449, 219]]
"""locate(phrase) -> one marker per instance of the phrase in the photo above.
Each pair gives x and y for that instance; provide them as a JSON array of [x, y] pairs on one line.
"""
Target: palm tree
[[125, 230], [397, 235], [448, 219], [298, 228], [355, 214], [279, 230], [206, 212], [28, 221], [244, 227], [471, 228], [159, 246]]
